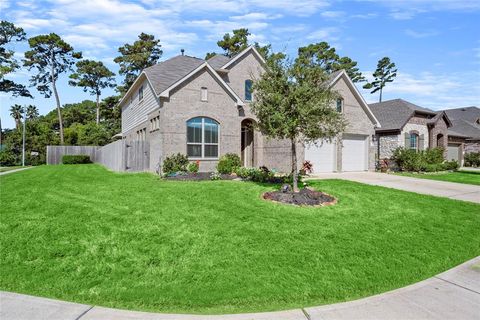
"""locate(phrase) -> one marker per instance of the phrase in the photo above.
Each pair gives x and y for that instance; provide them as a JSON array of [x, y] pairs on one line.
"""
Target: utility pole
[[23, 144]]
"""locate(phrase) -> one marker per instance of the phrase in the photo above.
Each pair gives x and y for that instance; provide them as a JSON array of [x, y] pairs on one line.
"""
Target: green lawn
[[468, 177], [81, 233]]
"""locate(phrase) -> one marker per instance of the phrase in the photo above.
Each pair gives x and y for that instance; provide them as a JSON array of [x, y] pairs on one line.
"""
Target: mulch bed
[[305, 197], [199, 176]]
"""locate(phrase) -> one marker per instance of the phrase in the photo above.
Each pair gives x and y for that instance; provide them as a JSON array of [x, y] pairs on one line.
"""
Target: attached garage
[[453, 152], [322, 157], [355, 153]]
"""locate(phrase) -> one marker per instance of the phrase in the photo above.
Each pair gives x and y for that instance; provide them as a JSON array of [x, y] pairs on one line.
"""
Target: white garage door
[[354, 153], [322, 157], [452, 153]]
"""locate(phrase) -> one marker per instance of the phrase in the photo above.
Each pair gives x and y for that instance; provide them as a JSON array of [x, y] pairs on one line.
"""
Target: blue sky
[[435, 43]]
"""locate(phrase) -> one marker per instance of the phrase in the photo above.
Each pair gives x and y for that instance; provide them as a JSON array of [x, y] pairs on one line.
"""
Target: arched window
[[248, 90], [414, 141], [202, 138]]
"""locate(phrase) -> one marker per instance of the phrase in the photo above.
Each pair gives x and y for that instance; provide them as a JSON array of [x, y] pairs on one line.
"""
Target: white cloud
[[418, 34], [256, 16], [332, 14], [402, 15], [325, 34], [432, 90]]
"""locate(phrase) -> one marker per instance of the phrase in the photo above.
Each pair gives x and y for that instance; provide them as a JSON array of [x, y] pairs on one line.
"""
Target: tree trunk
[[381, 89], [57, 99], [98, 109], [294, 166]]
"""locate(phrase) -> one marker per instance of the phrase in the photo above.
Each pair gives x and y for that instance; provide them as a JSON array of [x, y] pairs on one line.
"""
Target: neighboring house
[[202, 109], [464, 134], [405, 124]]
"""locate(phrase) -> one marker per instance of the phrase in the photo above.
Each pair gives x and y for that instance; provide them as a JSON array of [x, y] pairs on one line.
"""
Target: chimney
[[182, 51]]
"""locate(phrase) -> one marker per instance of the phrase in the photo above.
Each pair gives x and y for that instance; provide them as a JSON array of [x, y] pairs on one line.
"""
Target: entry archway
[[247, 143]]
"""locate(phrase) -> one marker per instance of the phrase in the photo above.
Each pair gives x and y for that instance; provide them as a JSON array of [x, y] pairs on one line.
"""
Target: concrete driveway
[[458, 191], [454, 294]]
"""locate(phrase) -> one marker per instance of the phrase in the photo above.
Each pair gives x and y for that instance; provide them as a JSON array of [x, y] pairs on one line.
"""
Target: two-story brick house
[[202, 109]]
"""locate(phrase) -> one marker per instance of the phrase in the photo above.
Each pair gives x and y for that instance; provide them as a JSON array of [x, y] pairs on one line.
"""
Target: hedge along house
[[202, 109], [407, 125]]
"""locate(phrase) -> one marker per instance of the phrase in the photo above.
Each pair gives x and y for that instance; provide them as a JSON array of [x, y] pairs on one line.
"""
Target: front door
[[247, 143]]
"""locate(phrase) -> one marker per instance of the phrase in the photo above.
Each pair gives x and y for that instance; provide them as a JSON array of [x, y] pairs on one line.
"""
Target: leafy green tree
[[38, 136], [93, 76], [135, 57], [92, 134], [293, 101], [385, 73], [16, 111], [112, 114], [32, 112], [51, 56], [210, 55], [236, 42], [326, 57], [8, 64]]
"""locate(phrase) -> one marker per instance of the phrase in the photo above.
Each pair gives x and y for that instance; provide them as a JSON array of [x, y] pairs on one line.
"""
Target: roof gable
[[166, 93], [342, 74], [394, 114], [242, 54]]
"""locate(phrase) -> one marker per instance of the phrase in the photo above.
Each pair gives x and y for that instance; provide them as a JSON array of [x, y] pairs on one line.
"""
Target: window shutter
[[421, 142], [407, 140]]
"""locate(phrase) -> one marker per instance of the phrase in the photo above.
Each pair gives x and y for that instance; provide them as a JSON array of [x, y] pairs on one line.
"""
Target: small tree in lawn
[[294, 101], [93, 76], [385, 73], [51, 56]]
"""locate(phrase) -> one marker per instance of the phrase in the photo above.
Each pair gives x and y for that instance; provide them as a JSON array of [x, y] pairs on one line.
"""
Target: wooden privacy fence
[[55, 153], [117, 156]]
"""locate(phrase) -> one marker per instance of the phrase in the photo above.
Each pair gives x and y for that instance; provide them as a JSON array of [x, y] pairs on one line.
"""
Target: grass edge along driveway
[[465, 177], [84, 234]]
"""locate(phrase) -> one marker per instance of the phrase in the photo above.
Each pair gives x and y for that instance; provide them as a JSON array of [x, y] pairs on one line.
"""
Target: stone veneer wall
[[388, 144]]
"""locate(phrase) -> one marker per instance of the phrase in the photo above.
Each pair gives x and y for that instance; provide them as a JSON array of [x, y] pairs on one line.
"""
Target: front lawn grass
[[467, 177], [81, 233]]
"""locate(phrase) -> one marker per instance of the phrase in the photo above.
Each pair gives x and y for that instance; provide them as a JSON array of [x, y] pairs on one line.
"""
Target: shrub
[[451, 165], [215, 176], [175, 163], [307, 167], [472, 159], [193, 167], [434, 167], [76, 159], [433, 156], [409, 160], [261, 174], [228, 163]]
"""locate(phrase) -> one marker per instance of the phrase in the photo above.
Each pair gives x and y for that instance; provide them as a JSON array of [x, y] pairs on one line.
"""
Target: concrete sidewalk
[[14, 170], [454, 294], [458, 191]]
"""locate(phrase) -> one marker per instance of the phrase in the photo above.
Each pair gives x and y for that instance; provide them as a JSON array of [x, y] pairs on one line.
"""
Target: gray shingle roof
[[168, 72], [218, 61], [464, 122], [393, 114]]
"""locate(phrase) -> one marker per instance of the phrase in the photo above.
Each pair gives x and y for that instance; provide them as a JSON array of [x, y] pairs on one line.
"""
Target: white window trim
[[203, 143]]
